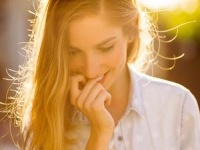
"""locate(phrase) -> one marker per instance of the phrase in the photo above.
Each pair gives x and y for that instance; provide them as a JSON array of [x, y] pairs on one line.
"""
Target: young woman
[[81, 89]]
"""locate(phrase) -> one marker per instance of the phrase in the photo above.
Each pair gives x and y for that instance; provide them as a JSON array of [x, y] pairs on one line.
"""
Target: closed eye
[[106, 49], [74, 50]]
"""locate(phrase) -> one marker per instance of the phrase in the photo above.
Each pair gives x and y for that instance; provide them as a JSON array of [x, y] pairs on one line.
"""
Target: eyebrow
[[106, 41], [98, 45]]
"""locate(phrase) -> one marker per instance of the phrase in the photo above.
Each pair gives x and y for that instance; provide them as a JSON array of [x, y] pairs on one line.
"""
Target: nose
[[91, 67]]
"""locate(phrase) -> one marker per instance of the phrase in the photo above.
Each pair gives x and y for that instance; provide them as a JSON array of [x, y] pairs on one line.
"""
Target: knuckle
[[108, 95], [79, 103], [95, 106]]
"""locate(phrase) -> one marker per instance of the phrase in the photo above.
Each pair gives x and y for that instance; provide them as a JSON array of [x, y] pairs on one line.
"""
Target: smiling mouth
[[102, 78]]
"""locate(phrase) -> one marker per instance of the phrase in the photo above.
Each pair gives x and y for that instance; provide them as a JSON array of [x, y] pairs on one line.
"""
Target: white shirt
[[161, 115]]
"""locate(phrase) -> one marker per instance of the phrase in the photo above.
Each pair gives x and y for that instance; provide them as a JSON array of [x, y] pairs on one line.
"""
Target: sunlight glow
[[171, 4]]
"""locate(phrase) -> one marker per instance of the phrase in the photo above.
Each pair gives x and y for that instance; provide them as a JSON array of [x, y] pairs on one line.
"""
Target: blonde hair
[[42, 103]]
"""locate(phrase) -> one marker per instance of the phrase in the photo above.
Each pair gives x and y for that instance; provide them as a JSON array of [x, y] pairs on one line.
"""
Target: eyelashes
[[102, 49], [106, 49], [74, 51]]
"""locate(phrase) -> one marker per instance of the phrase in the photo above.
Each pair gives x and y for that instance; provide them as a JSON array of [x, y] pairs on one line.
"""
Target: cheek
[[74, 65], [119, 56]]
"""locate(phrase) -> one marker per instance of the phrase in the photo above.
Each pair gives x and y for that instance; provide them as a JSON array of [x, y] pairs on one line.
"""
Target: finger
[[75, 90], [96, 89], [87, 90], [102, 99], [108, 99]]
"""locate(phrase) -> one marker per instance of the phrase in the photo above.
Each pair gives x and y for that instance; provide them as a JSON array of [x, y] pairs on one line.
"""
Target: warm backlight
[[186, 5]]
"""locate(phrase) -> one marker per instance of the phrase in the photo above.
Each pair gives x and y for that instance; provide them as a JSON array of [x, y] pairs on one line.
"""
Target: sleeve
[[190, 127]]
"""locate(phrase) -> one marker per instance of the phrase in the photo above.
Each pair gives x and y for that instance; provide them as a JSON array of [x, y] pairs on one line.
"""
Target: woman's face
[[98, 50]]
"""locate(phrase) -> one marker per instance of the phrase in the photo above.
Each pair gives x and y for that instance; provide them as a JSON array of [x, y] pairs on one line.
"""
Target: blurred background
[[14, 27]]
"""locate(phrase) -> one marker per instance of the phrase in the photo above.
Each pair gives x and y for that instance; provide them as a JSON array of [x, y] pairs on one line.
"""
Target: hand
[[91, 100]]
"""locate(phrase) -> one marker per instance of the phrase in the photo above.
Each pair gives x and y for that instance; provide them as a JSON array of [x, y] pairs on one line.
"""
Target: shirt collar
[[136, 102]]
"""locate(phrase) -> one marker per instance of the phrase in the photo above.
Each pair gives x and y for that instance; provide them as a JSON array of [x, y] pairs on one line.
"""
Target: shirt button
[[120, 138]]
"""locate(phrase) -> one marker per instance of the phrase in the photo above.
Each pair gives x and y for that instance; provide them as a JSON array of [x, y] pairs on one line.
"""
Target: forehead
[[91, 29]]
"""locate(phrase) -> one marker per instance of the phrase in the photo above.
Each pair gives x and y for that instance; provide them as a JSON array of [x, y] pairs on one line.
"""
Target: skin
[[99, 74]]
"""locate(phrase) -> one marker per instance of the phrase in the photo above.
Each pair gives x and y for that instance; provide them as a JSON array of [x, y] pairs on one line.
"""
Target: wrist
[[102, 135]]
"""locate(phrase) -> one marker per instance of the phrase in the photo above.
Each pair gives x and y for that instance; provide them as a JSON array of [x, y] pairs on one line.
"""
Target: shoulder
[[161, 91], [156, 85]]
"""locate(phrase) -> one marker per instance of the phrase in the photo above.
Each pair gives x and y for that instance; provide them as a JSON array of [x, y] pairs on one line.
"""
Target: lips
[[102, 78]]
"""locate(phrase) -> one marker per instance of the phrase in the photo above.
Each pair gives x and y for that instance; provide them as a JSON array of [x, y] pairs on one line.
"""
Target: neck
[[120, 89], [120, 95]]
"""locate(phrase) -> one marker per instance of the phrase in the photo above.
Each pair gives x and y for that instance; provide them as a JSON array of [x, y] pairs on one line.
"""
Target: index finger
[[77, 81]]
